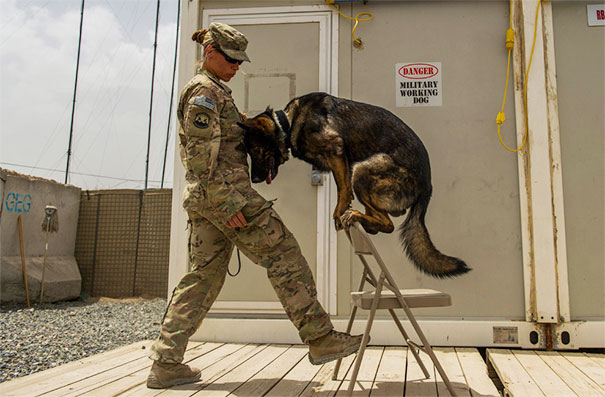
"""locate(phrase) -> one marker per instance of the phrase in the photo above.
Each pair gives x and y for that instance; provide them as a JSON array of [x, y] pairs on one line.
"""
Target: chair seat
[[413, 298]]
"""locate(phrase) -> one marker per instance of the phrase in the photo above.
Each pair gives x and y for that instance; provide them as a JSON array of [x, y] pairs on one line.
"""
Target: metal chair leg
[[351, 320], [426, 345], [366, 335], [426, 373], [349, 326]]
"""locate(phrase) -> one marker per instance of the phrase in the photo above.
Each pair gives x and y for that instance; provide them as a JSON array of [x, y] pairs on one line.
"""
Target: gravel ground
[[51, 334]]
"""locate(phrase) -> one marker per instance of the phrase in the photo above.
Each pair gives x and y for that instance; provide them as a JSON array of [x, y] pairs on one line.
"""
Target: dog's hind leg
[[384, 188]]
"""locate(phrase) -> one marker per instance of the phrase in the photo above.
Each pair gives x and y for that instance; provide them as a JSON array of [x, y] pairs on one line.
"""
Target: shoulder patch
[[201, 120], [204, 101]]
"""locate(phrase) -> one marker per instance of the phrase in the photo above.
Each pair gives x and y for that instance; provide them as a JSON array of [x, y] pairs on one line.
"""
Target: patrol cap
[[232, 42]]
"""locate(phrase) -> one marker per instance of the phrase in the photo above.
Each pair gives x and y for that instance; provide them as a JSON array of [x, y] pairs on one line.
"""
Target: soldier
[[225, 211]]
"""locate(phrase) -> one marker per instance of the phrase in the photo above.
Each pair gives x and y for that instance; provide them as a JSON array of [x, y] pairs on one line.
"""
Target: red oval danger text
[[418, 71]]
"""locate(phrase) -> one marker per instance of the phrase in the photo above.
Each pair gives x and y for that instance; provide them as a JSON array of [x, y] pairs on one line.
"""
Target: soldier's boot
[[332, 346], [165, 375]]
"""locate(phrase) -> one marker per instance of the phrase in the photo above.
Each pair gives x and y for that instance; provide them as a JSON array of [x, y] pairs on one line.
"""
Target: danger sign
[[418, 84]]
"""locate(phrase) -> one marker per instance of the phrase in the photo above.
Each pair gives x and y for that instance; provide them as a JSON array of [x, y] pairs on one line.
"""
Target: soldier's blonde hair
[[204, 38]]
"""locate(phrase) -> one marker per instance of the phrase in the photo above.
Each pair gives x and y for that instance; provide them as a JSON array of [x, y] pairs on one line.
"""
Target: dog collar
[[284, 124]]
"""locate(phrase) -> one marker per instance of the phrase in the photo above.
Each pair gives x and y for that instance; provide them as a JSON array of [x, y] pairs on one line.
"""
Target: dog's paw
[[348, 218]]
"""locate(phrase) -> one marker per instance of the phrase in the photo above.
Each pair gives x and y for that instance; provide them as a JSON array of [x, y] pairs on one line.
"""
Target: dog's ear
[[261, 124], [269, 110]]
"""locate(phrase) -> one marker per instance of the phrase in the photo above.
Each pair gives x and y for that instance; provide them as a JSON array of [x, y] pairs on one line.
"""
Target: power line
[[76, 173], [20, 27]]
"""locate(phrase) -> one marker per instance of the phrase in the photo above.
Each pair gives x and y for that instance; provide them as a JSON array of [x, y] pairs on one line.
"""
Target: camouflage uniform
[[218, 187]]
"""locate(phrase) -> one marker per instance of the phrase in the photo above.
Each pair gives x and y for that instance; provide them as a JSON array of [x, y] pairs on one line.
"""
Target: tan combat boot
[[165, 375], [333, 346]]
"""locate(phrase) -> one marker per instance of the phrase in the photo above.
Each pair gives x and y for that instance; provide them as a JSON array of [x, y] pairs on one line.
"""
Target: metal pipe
[[73, 107], [155, 48]]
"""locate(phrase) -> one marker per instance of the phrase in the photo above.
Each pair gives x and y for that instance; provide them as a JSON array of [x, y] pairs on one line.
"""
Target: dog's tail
[[420, 249]]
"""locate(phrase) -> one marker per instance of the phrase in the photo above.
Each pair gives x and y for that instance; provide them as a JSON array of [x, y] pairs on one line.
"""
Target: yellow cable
[[509, 45], [356, 19]]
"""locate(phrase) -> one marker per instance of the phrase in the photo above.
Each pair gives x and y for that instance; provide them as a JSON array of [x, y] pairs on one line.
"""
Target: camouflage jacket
[[211, 148]]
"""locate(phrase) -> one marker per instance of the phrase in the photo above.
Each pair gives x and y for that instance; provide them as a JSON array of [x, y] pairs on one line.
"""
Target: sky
[[38, 51]]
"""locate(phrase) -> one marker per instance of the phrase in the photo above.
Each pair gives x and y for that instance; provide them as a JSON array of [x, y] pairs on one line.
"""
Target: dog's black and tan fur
[[370, 152]]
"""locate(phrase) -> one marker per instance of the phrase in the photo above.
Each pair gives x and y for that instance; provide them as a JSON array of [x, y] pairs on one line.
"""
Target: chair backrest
[[361, 244]]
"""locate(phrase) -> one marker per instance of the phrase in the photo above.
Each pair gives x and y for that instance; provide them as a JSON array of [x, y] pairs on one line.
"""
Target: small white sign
[[596, 14], [418, 84]]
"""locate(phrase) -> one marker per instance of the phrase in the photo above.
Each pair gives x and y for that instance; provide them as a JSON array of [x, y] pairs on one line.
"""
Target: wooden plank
[[128, 381], [367, 373], [599, 358], [322, 384], [227, 383], [417, 384], [390, 374], [581, 384], [475, 372], [546, 379], [295, 381], [264, 380], [449, 361], [586, 364], [50, 379], [94, 382], [210, 373], [516, 380]]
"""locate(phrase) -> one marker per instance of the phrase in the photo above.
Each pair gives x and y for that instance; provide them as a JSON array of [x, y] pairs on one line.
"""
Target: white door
[[291, 54]]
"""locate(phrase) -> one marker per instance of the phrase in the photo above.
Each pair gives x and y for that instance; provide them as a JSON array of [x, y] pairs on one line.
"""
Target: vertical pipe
[[155, 48], [176, 51], [136, 252], [73, 107]]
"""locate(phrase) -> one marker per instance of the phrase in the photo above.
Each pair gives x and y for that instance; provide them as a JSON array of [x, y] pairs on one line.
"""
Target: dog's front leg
[[342, 175]]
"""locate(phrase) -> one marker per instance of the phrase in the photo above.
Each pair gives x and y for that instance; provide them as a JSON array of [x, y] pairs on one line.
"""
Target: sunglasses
[[227, 57]]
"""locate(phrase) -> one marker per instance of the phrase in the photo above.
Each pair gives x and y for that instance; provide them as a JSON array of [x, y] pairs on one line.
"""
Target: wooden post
[[22, 250]]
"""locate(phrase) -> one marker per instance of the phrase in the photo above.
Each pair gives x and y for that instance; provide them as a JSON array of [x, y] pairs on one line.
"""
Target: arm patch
[[204, 101], [199, 121]]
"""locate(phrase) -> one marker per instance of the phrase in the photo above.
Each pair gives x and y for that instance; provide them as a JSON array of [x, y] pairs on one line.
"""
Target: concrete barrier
[[27, 197]]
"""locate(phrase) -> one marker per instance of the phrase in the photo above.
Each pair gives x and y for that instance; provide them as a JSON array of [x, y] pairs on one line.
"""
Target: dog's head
[[265, 142]]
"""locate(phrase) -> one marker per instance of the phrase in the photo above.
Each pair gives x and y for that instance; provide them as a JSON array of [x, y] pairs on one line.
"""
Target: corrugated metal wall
[[123, 242]]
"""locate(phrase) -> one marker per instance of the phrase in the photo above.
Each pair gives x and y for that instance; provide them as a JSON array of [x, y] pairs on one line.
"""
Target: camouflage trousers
[[267, 242]]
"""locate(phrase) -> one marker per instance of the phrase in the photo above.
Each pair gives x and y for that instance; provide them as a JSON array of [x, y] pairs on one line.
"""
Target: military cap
[[232, 42]]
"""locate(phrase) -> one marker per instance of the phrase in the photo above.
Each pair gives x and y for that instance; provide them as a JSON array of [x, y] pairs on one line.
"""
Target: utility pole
[[155, 48], [73, 107], [176, 51]]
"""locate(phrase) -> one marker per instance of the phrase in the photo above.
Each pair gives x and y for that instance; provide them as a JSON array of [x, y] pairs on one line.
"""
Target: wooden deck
[[542, 373], [258, 370]]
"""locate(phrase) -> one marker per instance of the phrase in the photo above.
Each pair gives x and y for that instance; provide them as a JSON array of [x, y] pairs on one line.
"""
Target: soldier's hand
[[238, 220]]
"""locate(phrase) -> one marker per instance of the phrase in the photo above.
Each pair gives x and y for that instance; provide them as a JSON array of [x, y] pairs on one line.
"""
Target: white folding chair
[[391, 299]]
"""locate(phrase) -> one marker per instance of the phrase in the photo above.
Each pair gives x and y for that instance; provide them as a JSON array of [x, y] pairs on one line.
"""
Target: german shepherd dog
[[370, 152]]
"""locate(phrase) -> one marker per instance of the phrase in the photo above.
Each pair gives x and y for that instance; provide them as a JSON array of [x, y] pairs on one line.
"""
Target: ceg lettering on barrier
[[17, 202]]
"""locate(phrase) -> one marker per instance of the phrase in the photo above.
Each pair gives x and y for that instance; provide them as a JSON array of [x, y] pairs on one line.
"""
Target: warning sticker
[[506, 335], [596, 14], [418, 84]]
